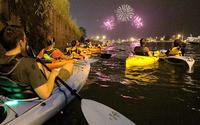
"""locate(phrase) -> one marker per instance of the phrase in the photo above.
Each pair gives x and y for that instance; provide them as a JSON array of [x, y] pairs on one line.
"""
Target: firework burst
[[137, 22], [124, 13], [109, 23]]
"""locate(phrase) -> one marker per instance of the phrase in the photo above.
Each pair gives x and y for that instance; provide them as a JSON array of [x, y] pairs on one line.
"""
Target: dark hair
[[73, 43], [50, 42], [10, 36], [142, 41], [177, 42]]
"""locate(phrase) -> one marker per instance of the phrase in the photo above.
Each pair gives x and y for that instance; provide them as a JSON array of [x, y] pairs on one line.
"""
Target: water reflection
[[142, 75], [161, 94]]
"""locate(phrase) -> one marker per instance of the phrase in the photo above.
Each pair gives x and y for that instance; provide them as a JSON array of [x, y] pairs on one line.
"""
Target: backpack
[[12, 89]]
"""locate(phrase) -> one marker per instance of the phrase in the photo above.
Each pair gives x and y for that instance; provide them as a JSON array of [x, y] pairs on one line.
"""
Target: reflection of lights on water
[[103, 77], [134, 74]]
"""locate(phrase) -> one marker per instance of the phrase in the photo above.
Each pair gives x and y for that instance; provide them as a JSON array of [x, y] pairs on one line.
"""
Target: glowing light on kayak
[[12, 103]]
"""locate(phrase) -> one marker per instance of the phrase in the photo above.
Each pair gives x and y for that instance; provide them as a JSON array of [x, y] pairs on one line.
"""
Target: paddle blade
[[99, 114]]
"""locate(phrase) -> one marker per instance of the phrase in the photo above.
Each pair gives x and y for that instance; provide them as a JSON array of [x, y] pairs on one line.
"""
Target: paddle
[[95, 112]]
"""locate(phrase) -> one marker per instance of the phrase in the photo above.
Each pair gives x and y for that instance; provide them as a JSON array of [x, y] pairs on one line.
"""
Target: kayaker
[[177, 49], [30, 76], [75, 51], [142, 50], [50, 53]]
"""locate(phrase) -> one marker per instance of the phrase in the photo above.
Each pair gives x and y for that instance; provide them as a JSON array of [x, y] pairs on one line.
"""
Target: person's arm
[[46, 88], [43, 87], [148, 51]]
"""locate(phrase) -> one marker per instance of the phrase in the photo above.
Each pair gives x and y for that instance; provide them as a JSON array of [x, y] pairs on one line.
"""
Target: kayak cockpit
[[3, 114], [185, 61]]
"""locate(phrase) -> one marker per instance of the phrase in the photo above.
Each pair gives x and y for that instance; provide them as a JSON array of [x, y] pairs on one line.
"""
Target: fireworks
[[124, 13], [109, 23], [137, 21]]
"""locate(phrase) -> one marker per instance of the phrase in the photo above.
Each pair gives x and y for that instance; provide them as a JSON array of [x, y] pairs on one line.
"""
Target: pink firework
[[137, 21], [109, 23]]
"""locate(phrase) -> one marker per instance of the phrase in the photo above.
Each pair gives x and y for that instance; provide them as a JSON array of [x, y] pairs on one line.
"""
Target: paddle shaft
[[73, 91]]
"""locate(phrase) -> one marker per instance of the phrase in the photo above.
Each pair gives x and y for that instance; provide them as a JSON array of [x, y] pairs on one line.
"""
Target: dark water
[[161, 94]]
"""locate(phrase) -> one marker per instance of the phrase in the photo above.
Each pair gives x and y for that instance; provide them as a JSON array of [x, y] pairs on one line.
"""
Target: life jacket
[[74, 50], [11, 88], [54, 53], [175, 51]]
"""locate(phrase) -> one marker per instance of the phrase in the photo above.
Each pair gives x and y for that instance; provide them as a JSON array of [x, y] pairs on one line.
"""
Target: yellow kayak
[[137, 60]]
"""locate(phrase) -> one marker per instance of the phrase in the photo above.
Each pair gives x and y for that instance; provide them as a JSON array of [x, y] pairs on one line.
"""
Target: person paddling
[[75, 52], [177, 49], [23, 70], [142, 50]]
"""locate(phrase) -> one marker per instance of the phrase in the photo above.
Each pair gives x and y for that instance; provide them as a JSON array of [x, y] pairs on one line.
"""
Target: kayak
[[95, 50], [180, 60], [137, 60], [36, 111], [59, 63]]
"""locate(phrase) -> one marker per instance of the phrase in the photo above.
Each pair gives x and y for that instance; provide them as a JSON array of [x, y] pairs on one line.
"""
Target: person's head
[[50, 42], [13, 36], [73, 43], [77, 43], [142, 42], [177, 43]]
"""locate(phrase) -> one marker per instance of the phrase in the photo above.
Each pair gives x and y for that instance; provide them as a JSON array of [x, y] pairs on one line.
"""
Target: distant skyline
[[160, 17]]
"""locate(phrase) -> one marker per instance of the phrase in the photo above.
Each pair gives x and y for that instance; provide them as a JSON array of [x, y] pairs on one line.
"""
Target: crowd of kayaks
[[35, 111], [87, 51], [140, 61]]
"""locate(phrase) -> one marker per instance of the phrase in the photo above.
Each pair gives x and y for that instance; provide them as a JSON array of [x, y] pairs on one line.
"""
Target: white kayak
[[37, 111], [180, 60]]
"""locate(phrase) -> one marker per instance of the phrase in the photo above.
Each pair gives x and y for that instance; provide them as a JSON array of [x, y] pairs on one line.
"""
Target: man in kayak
[[142, 50], [177, 49], [16, 65], [75, 50]]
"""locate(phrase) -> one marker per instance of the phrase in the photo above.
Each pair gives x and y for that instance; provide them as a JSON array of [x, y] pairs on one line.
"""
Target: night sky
[[160, 17]]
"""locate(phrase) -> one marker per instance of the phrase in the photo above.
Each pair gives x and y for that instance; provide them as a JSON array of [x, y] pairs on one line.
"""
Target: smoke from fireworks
[[109, 23], [124, 13], [137, 21]]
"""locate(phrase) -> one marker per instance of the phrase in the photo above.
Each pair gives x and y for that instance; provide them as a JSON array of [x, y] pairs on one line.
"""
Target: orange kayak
[[60, 63], [94, 50]]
